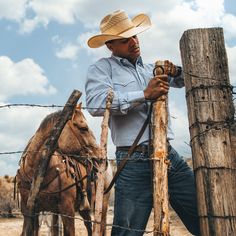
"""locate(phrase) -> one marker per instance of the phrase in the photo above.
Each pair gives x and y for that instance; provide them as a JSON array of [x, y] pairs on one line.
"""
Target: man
[[134, 86]]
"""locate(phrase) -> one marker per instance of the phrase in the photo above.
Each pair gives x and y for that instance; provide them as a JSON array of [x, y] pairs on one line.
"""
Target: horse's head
[[77, 138]]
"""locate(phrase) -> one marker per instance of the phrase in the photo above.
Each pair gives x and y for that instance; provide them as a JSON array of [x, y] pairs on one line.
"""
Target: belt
[[140, 148]]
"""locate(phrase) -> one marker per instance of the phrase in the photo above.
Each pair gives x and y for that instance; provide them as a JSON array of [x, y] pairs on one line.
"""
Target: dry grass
[[7, 202]]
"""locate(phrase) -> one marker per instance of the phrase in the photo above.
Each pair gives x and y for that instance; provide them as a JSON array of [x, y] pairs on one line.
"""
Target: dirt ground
[[12, 226]]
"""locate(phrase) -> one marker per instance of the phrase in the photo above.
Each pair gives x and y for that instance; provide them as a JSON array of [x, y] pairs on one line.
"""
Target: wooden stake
[[98, 227], [160, 164], [48, 149], [211, 114]]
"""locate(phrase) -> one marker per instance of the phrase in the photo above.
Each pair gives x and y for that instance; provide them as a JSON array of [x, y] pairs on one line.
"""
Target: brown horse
[[68, 175]]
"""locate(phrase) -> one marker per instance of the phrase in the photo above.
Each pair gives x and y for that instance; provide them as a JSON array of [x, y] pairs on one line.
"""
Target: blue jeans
[[133, 194]]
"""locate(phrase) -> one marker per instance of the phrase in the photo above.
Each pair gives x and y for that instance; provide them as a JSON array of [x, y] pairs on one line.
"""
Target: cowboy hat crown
[[118, 25]]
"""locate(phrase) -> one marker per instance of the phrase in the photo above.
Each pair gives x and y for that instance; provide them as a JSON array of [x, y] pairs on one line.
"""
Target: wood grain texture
[[99, 228], [211, 116], [160, 166]]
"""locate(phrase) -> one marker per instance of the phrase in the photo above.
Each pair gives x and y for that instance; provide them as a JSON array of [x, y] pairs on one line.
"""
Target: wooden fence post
[[160, 164], [211, 114], [48, 149], [98, 227]]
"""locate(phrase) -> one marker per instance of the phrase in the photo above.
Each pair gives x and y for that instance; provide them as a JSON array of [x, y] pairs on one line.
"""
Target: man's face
[[126, 48]]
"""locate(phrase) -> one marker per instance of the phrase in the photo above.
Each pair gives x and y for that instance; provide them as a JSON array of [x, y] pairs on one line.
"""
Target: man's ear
[[109, 46]]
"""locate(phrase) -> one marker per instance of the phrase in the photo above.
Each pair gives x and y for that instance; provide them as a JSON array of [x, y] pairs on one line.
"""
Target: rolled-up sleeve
[[98, 84]]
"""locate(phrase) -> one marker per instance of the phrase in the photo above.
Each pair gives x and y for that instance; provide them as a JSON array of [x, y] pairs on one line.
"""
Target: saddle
[[71, 164]]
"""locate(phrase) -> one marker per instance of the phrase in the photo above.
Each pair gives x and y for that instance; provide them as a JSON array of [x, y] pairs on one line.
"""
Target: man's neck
[[132, 61]]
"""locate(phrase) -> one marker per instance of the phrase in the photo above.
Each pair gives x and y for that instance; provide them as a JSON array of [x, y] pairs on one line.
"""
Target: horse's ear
[[79, 106]]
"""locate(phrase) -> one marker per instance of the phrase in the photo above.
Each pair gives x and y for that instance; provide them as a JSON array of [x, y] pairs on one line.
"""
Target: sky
[[44, 56]]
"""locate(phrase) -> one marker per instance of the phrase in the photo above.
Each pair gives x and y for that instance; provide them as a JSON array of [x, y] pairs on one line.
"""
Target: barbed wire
[[66, 105], [202, 86], [77, 156], [110, 225], [114, 108], [61, 106], [175, 171]]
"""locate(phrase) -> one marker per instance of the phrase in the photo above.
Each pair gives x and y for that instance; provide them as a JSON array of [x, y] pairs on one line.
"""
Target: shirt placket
[[141, 80]]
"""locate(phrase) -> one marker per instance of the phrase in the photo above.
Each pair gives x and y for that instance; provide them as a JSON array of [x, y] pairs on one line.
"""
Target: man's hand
[[171, 69], [168, 68], [157, 87]]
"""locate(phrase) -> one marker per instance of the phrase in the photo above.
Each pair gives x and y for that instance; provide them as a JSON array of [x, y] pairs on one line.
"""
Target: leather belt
[[139, 148]]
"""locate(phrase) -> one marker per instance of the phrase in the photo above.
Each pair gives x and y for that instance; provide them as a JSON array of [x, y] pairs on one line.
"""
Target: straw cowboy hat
[[118, 25]]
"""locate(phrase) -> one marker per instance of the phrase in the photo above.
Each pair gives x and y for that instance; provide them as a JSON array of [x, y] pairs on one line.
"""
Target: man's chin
[[136, 52], [136, 55]]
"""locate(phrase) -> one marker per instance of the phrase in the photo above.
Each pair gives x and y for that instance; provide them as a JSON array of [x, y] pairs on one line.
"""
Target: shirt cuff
[[136, 96]]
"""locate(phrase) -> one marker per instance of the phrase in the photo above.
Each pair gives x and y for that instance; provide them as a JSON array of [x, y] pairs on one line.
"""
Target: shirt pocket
[[124, 84]]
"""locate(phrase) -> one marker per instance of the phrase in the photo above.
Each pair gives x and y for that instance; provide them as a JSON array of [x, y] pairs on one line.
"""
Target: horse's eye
[[83, 129]]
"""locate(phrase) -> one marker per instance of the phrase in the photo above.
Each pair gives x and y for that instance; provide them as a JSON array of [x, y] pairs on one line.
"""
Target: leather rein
[[130, 151]]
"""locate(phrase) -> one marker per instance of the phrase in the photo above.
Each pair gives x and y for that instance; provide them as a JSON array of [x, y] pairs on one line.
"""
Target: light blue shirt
[[129, 108]]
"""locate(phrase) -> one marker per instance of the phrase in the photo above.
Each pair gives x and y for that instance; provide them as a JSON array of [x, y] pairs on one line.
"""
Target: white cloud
[[22, 78], [95, 53], [63, 12], [90, 15], [229, 25], [211, 12], [18, 125], [231, 53], [69, 51], [28, 25], [12, 9]]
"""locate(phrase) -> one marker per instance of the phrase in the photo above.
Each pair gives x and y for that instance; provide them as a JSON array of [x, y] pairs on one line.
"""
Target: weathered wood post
[[48, 149], [160, 164], [210, 113], [98, 228]]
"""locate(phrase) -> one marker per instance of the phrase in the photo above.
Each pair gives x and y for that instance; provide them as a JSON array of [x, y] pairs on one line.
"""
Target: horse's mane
[[41, 135], [49, 120]]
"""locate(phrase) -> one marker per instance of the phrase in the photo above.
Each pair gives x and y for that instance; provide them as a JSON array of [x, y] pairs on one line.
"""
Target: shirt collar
[[125, 62]]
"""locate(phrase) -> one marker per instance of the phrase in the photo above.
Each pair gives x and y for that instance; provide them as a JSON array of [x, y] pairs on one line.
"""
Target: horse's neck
[[33, 149]]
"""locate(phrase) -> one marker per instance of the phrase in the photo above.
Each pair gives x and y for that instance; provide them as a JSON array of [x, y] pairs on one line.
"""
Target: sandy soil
[[12, 227]]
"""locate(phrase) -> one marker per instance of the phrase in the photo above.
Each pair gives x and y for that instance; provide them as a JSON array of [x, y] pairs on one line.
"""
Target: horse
[[72, 168]]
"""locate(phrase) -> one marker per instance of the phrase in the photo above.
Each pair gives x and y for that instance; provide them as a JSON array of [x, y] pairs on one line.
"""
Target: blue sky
[[44, 56]]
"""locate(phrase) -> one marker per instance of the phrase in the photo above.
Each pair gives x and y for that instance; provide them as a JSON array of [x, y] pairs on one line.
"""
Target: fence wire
[[107, 225], [131, 159]]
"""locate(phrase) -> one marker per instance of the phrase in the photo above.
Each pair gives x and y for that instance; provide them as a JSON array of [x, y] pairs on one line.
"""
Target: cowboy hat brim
[[141, 23]]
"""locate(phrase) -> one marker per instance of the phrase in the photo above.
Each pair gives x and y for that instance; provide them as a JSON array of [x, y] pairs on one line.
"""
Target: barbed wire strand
[[82, 157], [90, 221], [224, 85], [131, 159]]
